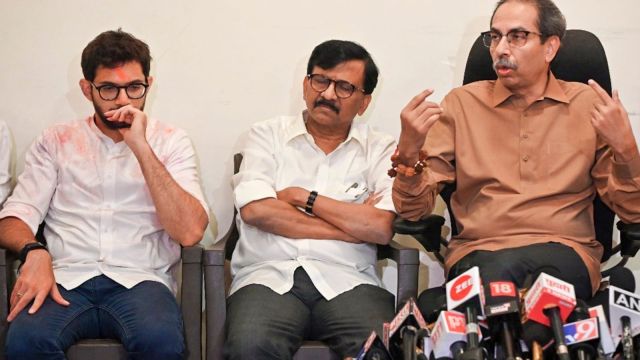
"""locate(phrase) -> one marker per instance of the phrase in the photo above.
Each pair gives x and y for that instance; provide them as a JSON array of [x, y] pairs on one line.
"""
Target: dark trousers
[[521, 264], [261, 324], [146, 319]]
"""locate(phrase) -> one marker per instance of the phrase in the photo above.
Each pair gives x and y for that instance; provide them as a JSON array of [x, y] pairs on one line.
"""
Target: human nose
[[330, 91], [502, 46], [122, 98]]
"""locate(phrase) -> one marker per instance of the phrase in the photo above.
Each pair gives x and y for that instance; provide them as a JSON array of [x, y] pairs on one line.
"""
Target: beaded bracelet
[[312, 198], [398, 168]]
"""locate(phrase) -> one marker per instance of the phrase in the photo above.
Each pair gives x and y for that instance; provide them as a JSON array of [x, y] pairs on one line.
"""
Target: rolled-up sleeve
[[36, 185], [255, 179]]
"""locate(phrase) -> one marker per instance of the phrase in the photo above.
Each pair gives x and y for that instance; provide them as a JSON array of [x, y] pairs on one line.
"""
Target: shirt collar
[[297, 128], [553, 91], [104, 139]]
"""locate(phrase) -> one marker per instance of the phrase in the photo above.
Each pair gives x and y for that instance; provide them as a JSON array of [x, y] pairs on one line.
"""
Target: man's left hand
[[134, 136], [611, 121]]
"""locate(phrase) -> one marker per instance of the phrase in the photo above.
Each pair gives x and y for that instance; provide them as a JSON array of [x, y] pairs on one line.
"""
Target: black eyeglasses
[[110, 92], [343, 89], [515, 38]]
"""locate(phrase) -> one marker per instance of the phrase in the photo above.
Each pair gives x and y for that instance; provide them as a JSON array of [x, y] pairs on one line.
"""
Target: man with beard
[[314, 201], [528, 153], [119, 194]]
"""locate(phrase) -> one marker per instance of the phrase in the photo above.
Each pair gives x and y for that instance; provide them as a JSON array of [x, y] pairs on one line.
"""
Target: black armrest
[[629, 238], [407, 261], [427, 230], [215, 299], [191, 298]]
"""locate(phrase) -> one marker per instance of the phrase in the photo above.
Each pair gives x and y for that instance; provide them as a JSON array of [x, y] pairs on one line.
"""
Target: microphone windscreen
[[431, 302], [533, 331], [580, 312], [622, 278]]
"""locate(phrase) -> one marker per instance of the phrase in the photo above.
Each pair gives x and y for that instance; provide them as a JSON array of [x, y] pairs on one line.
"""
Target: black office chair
[[580, 58], [215, 288], [107, 349]]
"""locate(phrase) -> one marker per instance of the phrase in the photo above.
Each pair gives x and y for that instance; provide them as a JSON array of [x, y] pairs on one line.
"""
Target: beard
[[113, 125]]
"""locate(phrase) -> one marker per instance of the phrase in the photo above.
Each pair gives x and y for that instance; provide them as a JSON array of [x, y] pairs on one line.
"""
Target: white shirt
[[100, 218], [281, 153], [5, 160]]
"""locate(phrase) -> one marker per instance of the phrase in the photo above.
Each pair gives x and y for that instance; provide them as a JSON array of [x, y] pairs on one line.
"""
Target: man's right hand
[[416, 119], [35, 282]]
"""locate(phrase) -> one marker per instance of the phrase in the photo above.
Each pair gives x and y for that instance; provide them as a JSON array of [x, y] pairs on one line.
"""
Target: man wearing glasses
[[530, 152], [314, 201], [119, 193]]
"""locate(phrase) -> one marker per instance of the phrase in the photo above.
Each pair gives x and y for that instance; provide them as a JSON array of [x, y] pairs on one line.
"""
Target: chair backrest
[[230, 245], [580, 58]]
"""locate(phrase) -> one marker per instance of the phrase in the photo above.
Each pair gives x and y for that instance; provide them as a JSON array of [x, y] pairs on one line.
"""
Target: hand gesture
[[416, 119], [35, 282], [611, 122], [135, 135]]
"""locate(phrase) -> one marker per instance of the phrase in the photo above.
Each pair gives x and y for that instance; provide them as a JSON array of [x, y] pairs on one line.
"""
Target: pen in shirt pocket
[[356, 190]]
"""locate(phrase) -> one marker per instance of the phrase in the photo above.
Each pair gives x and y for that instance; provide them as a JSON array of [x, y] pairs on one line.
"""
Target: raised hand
[[611, 121], [416, 119], [135, 135]]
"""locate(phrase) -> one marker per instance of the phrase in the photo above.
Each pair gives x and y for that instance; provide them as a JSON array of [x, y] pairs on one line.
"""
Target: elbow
[[251, 214], [191, 237]]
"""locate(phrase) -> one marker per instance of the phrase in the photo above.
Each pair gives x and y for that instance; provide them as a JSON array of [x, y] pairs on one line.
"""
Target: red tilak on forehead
[[121, 74]]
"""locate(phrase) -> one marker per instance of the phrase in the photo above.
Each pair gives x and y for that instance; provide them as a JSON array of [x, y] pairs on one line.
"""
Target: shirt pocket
[[352, 187]]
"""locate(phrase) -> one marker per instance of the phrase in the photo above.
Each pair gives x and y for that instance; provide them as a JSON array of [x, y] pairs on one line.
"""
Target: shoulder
[[578, 92]]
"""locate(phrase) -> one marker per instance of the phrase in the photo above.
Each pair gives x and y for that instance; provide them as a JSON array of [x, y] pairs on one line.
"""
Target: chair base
[[315, 350], [97, 349]]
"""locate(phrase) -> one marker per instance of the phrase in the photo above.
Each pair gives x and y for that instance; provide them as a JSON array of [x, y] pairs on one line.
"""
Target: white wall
[[222, 65]]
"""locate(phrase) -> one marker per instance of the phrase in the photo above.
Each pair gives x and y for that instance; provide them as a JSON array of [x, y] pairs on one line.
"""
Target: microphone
[[448, 335], [606, 340], [549, 302], [431, 302], [582, 335], [624, 314], [400, 335], [464, 293], [621, 278], [373, 349], [502, 310]]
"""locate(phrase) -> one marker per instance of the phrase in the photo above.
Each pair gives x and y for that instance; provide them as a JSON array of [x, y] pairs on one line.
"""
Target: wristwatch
[[22, 256]]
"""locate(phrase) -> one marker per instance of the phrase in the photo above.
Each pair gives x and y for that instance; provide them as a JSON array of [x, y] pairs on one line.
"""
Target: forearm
[[280, 218], [364, 222], [15, 234], [413, 197], [181, 214]]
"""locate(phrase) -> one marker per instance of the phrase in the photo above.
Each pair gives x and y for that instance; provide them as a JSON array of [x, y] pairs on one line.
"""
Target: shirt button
[[525, 158]]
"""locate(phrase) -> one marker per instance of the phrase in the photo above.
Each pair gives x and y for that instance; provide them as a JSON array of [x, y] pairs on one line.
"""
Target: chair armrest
[[427, 230], [407, 261], [191, 299], [215, 299], [629, 238]]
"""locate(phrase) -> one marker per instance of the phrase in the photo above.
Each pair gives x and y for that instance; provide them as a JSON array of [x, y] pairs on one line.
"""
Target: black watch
[[22, 256]]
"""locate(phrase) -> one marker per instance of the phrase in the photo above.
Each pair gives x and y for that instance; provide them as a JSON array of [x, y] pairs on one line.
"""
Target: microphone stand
[[553, 313]]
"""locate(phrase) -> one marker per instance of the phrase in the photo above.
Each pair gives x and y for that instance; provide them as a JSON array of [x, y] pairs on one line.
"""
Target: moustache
[[504, 63], [327, 103]]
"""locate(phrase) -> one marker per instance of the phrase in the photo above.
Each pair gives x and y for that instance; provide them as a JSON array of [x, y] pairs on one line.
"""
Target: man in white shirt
[[5, 161], [314, 200], [119, 194]]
